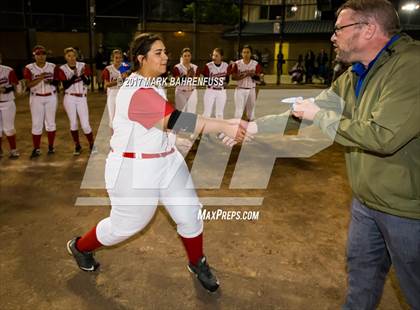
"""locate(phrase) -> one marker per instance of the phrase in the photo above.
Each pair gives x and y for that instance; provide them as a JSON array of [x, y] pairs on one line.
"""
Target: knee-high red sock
[[75, 135], [36, 141], [194, 248], [12, 141], [51, 138], [89, 242], [89, 137]]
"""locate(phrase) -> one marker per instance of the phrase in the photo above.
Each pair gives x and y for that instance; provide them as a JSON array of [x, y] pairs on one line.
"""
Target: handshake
[[236, 131]]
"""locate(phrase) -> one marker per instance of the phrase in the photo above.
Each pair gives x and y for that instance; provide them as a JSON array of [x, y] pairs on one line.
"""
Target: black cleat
[[203, 273], [84, 260], [51, 150], [35, 153], [77, 150]]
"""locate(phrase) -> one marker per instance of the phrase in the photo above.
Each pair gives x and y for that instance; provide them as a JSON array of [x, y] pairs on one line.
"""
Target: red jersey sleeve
[[258, 69], [105, 75], [87, 71], [147, 107], [27, 74], [206, 71], [60, 75], [175, 72], [13, 78], [197, 72], [233, 68]]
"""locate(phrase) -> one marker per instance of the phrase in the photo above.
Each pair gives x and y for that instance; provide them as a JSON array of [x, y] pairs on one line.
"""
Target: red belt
[[186, 90], [147, 155], [246, 87], [43, 95], [76, 95], [216, 88]]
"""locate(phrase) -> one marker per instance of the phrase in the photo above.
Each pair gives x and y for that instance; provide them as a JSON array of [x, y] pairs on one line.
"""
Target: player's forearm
[[209, 125], [85, 79], [34, 82], [110, 84]]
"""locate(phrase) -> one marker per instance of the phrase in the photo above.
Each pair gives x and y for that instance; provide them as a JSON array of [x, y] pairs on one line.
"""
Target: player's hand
[[228, 141], [305, 109], [190, 72], [236, 129]]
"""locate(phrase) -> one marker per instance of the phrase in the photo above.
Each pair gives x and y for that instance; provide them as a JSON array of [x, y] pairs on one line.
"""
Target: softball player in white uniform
[[186, 96], [216, 95], [145, 167], [75, 77], [41, 80], [246, 71], [8, 82], [113, 79]]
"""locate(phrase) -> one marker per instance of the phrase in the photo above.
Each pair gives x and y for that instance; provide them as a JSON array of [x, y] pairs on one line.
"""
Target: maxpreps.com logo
[[254, 160]]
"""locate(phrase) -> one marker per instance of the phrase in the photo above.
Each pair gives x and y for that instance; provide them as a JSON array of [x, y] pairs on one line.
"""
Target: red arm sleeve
[[27, 74], [197, 72], [175, 72], [147, 107], [13, 78], [258, 69], [87, 71], [206, 71], [105, 75], [233, 69], [60, 75]]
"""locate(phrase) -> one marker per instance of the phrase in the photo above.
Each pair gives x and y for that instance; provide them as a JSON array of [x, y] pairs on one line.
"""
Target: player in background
[[145, 167], [8, 82], [113, 79], [247, 72], [216, 95], [75, 77], [40, 79], [186, 96]]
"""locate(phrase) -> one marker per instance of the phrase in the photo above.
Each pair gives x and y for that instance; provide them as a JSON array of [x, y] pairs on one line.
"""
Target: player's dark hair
[[141, 45], [185, 50], [218, 50], [382, 11], [248, 47]]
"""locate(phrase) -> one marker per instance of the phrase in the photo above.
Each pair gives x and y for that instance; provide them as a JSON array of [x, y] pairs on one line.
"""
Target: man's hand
[[305, 109], [236, 129]]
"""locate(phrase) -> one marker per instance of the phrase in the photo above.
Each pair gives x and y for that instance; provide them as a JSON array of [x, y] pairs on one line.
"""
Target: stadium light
[[410, 6], [294, 8]]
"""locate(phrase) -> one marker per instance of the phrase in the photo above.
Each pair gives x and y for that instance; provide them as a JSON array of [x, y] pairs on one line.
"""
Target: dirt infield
[[293, 257]]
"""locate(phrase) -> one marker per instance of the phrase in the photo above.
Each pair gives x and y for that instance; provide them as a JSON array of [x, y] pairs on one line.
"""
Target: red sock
[[89, 242], [51, 138], [194, 248], [75, 135], [89, 137], [12, 141], [36, 141], [0, 143]]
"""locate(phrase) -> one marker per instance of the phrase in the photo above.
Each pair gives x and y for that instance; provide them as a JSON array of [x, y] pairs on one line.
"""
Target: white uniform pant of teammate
[[164, 179], [110, 103], [43, 110], [245, 100], [214, 97], [77, 106], [186, 101], [7, 118]]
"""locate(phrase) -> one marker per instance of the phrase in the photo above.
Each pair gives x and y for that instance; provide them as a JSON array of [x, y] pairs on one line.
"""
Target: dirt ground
[[293, 257]]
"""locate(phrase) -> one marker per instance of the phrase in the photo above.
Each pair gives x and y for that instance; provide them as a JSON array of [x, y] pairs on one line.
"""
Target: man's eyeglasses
[[339, 28]]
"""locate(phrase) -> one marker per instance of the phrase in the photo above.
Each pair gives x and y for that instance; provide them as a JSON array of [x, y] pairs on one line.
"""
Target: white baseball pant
[[43, 110], [77, 106], [164, 179], [7, 118], [186, 101], [110, 103], [245, 100], [214, 97]]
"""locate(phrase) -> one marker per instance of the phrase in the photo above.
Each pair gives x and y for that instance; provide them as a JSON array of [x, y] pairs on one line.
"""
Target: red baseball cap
[[39, 50]]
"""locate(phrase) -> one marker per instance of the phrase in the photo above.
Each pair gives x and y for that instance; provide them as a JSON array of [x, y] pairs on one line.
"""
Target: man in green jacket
[[379, 97]]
